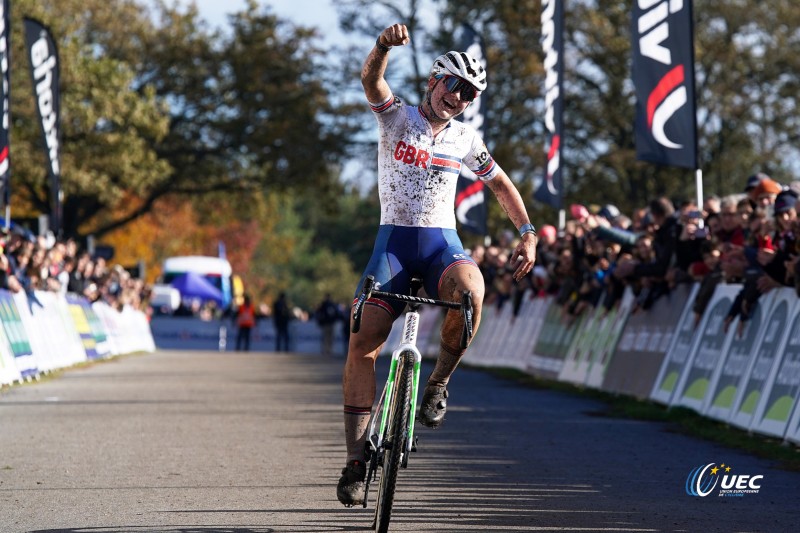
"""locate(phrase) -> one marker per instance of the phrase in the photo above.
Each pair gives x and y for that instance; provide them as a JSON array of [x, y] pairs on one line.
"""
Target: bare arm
[[375, 86], [511, 202]]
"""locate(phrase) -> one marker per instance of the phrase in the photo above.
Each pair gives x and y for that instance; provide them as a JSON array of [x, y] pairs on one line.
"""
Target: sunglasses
[[466, 91]]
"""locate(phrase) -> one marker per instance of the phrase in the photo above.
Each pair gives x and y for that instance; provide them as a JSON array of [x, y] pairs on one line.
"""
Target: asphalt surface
[[203, 442]]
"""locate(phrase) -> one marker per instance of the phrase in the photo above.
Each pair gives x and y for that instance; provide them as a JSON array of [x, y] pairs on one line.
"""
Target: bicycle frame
[[379, 424], [408, 343]]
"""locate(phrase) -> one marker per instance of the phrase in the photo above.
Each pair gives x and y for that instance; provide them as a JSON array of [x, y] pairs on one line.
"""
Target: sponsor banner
[[503, 338], [526, 324], [52, 333], [113, 325], [736, 361], [39, 338], [663, 78], [763, 361], [5, 87], [520, 331], [137, 327], [532, 320], [17, 335], [576, 360], [127, 331], [615, 320], [9, 373], [98, 329], [40, 332], [647, 336], [552, 344], [551, 190], [45, 77], [77, 310], [780, 395], [471, 208], [678, 356], [793, 432], [711, 343]]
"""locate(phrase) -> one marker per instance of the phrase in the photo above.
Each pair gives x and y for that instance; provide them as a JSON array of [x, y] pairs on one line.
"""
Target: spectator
[[652, 266], [711, 205], [327, 314], [753, 182], [281, 315], [766, 191], [245, 322]]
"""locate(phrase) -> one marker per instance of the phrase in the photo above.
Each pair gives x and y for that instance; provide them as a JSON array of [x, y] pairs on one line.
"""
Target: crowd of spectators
[[29, 263], [749, 238]]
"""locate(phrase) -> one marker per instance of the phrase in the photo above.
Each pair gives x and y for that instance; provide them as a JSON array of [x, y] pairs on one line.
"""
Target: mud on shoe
[[351, 489], [433, 406]]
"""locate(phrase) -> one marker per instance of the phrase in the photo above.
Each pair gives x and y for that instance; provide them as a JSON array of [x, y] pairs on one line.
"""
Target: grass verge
[[680, 419]]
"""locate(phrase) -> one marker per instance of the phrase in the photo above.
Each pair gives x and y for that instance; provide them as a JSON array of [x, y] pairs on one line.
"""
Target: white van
[[215, 270]]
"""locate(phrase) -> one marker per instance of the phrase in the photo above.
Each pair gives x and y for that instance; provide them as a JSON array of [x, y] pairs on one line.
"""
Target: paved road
[[202, 442]]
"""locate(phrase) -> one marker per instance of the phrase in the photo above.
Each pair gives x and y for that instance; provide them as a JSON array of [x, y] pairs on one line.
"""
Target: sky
[[318, 13]]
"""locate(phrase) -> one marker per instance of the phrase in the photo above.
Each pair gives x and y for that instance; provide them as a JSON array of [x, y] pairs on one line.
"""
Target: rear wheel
[[396, 441]]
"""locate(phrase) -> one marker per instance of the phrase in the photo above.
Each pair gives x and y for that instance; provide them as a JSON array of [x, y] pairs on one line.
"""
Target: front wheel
[[396, 441]]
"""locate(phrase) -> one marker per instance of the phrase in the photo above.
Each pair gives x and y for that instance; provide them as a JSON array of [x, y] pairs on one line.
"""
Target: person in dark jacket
[[281, 315], [653, 271]]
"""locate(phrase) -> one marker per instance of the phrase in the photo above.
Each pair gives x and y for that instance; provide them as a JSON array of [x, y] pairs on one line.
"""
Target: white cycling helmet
[[463, 65]]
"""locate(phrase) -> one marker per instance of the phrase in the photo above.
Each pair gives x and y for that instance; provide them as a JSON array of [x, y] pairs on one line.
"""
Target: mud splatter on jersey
[[417, 173]]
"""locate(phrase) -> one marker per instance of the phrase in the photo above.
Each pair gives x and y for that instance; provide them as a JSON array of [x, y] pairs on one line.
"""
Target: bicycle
[[391, 436]]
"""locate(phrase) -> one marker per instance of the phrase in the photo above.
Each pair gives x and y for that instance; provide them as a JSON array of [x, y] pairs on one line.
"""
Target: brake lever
[[358, 308]]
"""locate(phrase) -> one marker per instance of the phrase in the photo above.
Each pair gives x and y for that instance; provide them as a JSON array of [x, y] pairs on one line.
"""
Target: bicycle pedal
[[414, 444]]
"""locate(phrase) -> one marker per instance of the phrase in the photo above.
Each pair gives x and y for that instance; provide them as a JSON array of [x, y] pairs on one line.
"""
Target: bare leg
[[358, 382], [456, 281], [434, 398]]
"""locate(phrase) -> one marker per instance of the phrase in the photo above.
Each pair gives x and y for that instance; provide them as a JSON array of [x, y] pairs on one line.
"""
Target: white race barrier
[[711, 344], [735, 362], [751, 380], [644, 343], [46, 331], [577, 359], [763, 361], [781, 391], [9, 373], [616, 319], [53, 335]]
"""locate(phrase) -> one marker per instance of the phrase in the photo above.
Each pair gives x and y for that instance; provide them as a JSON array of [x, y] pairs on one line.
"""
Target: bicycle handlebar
[[368, 290]]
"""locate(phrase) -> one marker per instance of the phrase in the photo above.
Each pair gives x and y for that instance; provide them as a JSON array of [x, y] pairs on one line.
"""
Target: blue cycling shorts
[[404, 252]]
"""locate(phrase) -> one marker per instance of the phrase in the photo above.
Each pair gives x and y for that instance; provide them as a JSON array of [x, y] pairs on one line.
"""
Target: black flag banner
[[471, 209], [551, 190], [663, 76], [45, 76], [5, 53]]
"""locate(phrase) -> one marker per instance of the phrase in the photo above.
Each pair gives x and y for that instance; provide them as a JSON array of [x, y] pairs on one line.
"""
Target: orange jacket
[[246, 316]]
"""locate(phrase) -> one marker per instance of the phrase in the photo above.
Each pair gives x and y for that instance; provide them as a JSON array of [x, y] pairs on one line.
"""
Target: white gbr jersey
[[417, 173]]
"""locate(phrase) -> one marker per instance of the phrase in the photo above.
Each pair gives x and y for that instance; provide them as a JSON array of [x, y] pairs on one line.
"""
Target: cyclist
[[420, 153]]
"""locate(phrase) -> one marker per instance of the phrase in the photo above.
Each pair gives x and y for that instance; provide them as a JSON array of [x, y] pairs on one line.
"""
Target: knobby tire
[[397, 440]]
